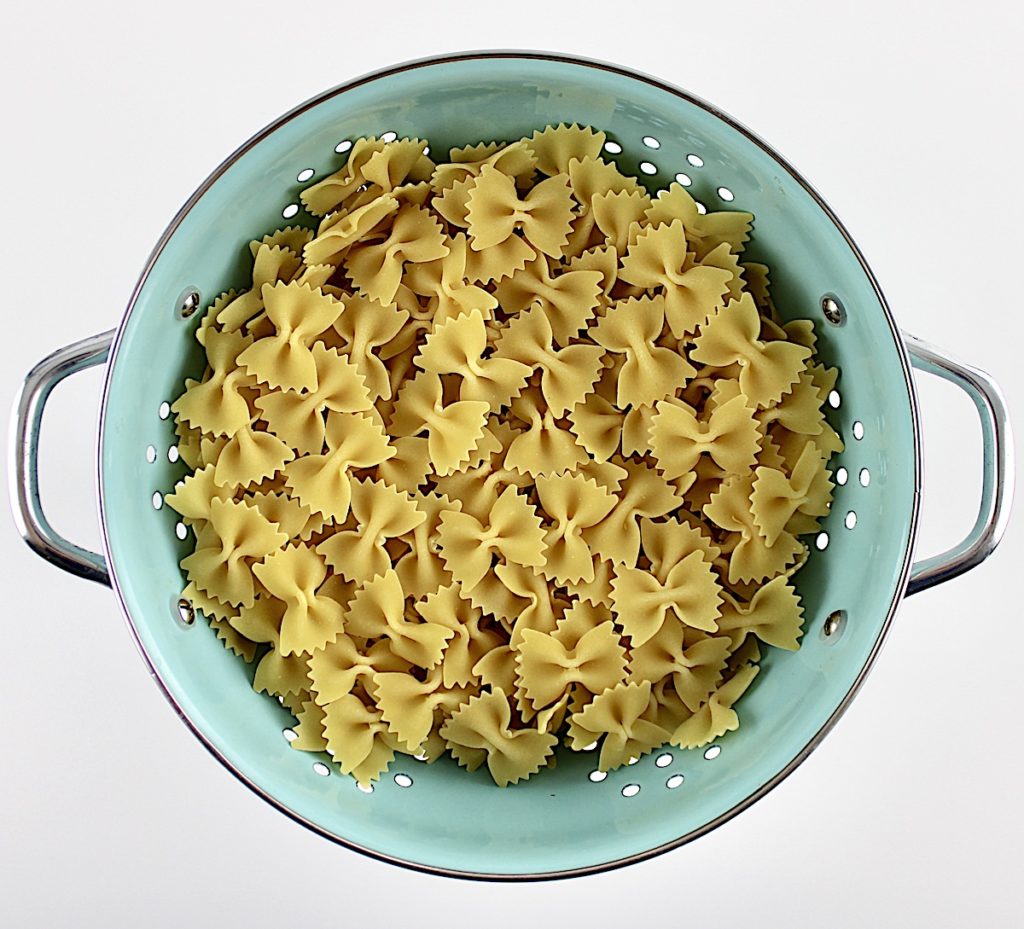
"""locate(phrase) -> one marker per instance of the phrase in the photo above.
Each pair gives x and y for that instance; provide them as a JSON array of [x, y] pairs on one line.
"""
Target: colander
[[569, 820]]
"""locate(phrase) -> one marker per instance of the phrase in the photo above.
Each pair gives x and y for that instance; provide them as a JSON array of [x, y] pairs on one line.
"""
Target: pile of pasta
[[506, 452]]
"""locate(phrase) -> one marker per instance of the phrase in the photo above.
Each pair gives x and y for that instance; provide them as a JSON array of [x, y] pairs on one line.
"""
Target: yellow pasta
[[495, 212], [380, 512], [376, 267], [453, 430], [716, 716], [513, 532], [568, 299], [554, 147], [299, 313], [657, 259], [730, 437], [650, 372], [547, 668], [480, 730], [218, 405], [227, 548], [618, 716], [567, 374], [768, 369], [295, 575], [297, 417], [504, 452], [457, 346], [574, 503]]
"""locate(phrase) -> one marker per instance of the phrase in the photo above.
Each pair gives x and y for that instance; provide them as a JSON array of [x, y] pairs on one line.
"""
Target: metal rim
[[894, 331]]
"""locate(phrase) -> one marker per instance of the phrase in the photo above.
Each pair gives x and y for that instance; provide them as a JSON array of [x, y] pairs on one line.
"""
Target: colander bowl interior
[[439, 817]]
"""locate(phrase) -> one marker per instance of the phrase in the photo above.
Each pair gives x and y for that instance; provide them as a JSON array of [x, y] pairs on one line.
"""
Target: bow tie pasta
[[507, 453]]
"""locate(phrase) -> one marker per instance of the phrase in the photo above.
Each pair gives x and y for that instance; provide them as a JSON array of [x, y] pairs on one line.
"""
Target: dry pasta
[[506, 453]]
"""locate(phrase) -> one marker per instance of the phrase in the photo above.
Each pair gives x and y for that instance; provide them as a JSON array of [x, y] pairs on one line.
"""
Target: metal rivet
[[343, 146], [833, 310], [851, 520], [695, 160], [663, 761], [613, 148], [151, 453], [821, 542], [865, 477], [713, 752], [651, 142], [648, 168], [188, 302], [290, 735], [321, 769], [597, 776], [186, 612], [630, 790], [403, 780], [304, 175], [683, 179], [388, 136], [833, 624], [726, 194], [674, 781]]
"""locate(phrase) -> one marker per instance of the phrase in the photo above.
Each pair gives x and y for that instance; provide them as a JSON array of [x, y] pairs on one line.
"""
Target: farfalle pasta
[[504, 452]]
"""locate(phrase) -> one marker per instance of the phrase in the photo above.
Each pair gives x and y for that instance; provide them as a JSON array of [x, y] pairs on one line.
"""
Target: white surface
[[907, 121]]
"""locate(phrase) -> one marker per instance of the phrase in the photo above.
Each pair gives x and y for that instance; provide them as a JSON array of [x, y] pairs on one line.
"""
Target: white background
[[906, 117]]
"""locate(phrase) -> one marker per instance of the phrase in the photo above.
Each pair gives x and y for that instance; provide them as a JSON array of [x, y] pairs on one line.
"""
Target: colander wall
[[559, 821]]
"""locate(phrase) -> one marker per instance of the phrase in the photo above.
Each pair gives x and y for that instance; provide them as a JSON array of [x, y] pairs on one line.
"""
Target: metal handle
[[28, 415], [997, 478]]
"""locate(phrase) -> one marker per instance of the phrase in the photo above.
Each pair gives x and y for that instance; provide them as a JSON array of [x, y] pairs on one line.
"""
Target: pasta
[[507, 453]]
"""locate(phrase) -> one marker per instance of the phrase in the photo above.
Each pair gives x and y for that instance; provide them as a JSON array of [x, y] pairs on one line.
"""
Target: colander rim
[[899, 590]]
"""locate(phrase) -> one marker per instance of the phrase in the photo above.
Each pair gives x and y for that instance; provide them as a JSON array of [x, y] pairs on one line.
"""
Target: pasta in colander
[[506, 453]]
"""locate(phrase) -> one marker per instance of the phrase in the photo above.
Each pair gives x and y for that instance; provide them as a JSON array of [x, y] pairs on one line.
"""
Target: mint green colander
[[438, 817]]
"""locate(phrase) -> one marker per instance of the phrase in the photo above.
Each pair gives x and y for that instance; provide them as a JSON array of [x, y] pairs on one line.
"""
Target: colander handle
[[997, 477], [28, 416]]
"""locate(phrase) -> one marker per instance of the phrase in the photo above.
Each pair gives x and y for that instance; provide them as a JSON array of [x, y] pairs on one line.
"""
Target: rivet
[[833, 624], [188, 302], [186, 612], [833, 310]]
